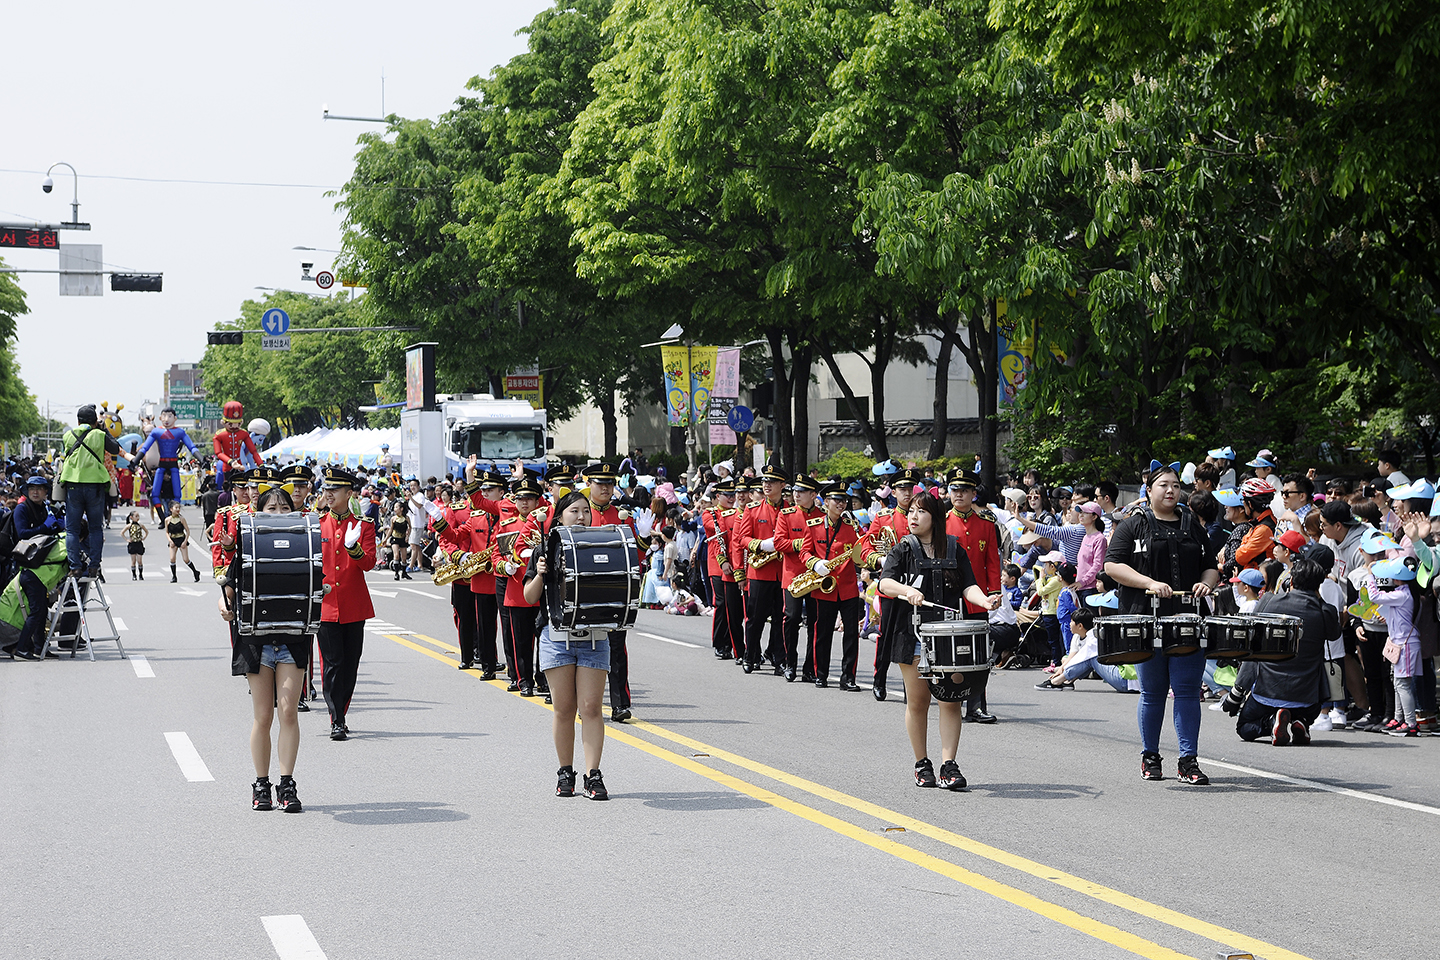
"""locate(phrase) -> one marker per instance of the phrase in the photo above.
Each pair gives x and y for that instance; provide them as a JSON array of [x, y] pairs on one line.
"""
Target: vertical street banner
[[725, 395], [675, 361], [1016, 352], [702, 380]]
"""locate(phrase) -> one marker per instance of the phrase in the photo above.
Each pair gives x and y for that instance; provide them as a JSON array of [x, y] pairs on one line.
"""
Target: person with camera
[[34, 518], [576, 664], [87, 483], [1281, 700]]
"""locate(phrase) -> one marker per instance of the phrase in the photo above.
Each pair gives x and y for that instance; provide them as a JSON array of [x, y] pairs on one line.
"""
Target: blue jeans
[[1158, 675], [84, 500], [1109, 674]]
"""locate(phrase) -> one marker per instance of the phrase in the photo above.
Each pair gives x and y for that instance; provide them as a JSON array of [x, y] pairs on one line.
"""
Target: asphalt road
[[749, 817]]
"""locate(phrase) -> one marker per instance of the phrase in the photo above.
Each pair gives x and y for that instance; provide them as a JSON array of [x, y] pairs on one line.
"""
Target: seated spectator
[[1282, 699], [1249, 584], [1082, 660]]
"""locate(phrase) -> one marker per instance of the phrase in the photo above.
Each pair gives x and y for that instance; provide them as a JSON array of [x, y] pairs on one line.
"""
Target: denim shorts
[[555, 653], [273, 653]]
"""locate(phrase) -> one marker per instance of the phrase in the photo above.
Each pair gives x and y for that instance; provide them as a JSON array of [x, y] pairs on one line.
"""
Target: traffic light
[[224, 337], [141, 282]]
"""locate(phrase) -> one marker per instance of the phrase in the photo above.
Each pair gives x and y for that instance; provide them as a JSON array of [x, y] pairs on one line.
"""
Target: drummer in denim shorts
[[576, 664]]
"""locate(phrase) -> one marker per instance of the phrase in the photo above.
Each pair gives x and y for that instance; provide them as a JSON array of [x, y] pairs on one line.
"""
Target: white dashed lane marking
[[188, 757], [292, 938], [141, 665], [678, 643]]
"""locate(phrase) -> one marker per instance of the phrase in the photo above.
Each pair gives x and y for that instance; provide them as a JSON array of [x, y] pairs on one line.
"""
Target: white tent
[[350, 448]]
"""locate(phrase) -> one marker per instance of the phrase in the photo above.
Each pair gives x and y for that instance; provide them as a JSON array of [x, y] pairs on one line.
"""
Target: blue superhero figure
[[168, 438]]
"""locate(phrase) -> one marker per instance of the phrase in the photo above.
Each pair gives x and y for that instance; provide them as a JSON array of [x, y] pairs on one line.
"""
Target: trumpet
[[810, 581]]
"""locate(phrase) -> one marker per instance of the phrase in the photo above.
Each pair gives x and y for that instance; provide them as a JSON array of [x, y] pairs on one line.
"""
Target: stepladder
[[84, 597]]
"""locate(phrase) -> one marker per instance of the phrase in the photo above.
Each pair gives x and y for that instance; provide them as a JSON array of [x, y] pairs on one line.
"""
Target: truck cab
[[498, 432]]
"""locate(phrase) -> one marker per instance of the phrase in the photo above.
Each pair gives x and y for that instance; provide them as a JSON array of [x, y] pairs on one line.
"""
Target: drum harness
[[1153, 531], [939, 565]]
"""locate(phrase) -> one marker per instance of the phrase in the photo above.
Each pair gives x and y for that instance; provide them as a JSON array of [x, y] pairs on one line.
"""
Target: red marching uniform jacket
[[790, 535], [480, 528], [718, 525], [831, 543], [980, 537], [452, 535], [536, 522], [760, 523], [349, 597], [227, 522]]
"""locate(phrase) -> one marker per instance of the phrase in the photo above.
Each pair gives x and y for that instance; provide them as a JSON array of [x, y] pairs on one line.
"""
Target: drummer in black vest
[[274, 665], [929, 565], [1156, 552], [575, 664]]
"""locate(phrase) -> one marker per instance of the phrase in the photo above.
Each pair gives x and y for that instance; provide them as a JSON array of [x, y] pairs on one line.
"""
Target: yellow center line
[[1095, 928], [439, 643]]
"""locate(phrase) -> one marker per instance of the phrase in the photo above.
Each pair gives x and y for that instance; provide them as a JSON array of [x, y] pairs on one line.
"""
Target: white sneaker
[[1337, 718], [1323, 723], [1216, 706]]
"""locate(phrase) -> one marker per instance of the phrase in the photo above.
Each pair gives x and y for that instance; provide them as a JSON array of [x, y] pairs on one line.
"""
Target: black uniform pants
[[485, 629], [462, 602], [1377, 675], [882, 644], [521, 652], [341, 644], [1257, 720], [507, 641], [619, 671], [735, 617], [825, 613], [797, 609], [720, 624], [764, 605]]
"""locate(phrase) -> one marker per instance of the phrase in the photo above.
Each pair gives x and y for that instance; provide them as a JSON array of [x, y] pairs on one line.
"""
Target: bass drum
[[593, 580], [1125, 639], [1275, 636], [281, 579]]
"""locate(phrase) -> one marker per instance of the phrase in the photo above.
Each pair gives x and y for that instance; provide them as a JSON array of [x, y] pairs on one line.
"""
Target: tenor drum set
[[1129, 638]]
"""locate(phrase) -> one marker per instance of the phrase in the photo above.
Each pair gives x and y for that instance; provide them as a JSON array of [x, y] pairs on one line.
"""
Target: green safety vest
[[80, 466]]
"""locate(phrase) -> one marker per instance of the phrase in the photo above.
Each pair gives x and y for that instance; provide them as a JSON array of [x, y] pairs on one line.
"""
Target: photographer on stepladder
[[37, 532], [87, 482]]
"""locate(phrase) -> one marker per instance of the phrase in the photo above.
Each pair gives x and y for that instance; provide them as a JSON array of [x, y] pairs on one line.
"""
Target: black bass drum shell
[[593, 577], [282, 576]]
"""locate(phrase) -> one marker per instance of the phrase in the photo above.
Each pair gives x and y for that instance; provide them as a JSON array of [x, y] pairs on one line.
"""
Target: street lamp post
[[49, 185]]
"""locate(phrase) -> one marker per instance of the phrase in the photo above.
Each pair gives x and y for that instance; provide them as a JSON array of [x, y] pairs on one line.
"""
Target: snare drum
[[1276, 636], [1125, 639], [1180, 635], [281, 582], [1227, 638], [593, 580], [953, 646]]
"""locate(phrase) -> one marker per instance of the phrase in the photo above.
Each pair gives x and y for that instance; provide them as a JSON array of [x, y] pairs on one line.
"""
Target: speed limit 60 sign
[[324, 279]]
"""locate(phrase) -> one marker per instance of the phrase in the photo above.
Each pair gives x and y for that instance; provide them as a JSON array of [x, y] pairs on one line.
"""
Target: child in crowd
[[1082, 660], [1010, 585], [1048, 586], [135, 534], [1249, 584], [1068, 602]]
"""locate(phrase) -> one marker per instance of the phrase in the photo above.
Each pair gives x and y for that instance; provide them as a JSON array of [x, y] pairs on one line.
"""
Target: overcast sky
[[191, 91]]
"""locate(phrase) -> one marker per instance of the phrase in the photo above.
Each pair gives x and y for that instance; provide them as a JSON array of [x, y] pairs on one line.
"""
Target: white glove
[[644, 521], [429, 507], [822, 568], [352, 536], [510, 569], [768, 546]]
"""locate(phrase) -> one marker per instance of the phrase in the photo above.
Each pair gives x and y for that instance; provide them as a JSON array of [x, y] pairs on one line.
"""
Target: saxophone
[[810, 581], [473, 564], [758, 558], [447, 571]]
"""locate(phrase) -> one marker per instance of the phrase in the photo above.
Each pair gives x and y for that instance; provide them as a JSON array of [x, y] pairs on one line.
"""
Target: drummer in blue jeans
[[1160, 550], [576, 665]]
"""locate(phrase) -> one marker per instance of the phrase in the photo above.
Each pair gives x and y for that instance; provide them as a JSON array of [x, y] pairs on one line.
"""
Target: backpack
[[8, 538]]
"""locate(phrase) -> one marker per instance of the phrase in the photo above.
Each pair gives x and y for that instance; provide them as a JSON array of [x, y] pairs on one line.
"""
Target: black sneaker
[[950, 776], [620, 714], [285, 795], [337, 731], [261, 795], [303, 706], [924, 773], [1299, 735], [595, 786], [565, 785], [1190, 772], [1150, 767], [1280, 733]]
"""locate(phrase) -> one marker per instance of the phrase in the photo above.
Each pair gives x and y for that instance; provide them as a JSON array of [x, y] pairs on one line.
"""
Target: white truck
[[498, 432]]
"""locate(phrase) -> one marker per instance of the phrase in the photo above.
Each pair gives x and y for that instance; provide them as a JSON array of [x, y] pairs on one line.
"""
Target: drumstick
[[939, 606]]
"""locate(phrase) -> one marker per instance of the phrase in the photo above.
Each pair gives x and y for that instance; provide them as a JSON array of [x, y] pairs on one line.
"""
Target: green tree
[[18, 416]]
